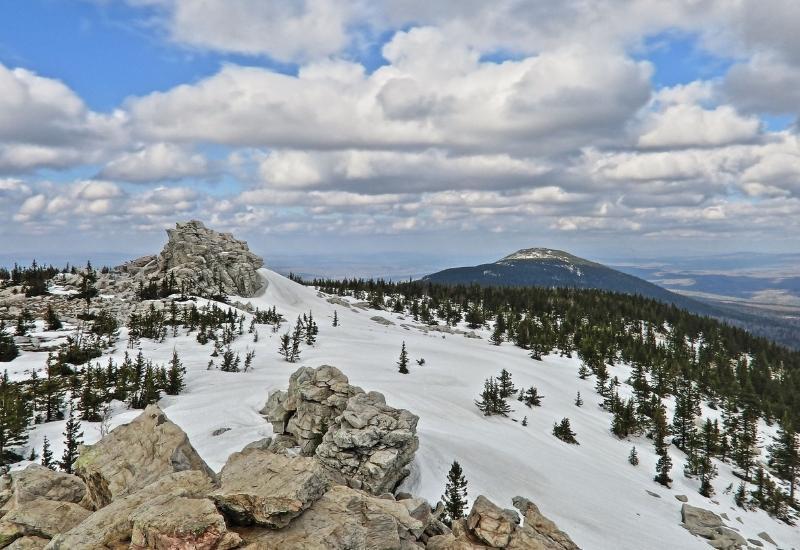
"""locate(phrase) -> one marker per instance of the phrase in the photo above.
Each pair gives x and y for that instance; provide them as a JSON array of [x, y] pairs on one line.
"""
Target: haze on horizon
[[453, 130]]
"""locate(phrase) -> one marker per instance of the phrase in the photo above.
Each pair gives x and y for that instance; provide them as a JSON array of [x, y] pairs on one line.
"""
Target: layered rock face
[[203, 259], [347, 430]]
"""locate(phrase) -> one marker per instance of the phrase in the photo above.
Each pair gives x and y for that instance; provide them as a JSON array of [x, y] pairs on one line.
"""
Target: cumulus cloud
[[155, 163]]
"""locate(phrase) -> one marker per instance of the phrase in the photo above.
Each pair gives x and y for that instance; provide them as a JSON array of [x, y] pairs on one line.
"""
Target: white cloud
[[155, 163], [694, 126]]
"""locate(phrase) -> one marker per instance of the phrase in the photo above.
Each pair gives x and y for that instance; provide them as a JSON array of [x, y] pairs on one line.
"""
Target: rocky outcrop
[[371, 443], [259, 487], [174, 522], [40, 518], [708, 525], [202, 259], [36, 481], [112, 525], [305, 411], [489, 526], [134, 455], [345, 518]]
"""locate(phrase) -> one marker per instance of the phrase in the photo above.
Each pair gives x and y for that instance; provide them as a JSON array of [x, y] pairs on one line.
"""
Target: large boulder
[[134, 455], [204, 260], [490, 523], [344, 519], [370, 443], [40, 518], [708, 525], [173, 522], [111, 526], [314, 398], [538, 528], [259, 487], [36, 481]]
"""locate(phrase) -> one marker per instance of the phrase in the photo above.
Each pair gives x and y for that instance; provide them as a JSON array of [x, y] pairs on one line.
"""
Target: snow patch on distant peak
[[538, 254]]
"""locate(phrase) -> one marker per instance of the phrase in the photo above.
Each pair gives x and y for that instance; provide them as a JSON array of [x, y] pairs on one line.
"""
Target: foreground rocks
[[143, 486], [203, 260], [708, 525], [135, 455], [350, 432], [259, 487]]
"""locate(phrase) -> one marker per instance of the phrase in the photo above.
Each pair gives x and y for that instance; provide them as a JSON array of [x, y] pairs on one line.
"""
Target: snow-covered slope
[[589, 490]]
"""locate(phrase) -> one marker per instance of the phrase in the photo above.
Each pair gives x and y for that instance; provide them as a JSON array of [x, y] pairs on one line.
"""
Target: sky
[[448, 129]]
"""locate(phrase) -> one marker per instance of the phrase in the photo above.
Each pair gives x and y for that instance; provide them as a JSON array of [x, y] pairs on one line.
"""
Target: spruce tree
[[47, 455], [490, 402], [52, 320], [402, 362], [175, 374], [633, 457], [335, 318], [73, 437], [578, 400], [286, 346], [497, 334], [8, 349], [784, 458], [564, 432], [15, 416], [504, 384], [660, 433], [455, 494], [297, 337], [524, 420]]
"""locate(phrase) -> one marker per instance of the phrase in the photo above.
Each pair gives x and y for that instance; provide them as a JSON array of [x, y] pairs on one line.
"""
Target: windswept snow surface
[[590, 490]]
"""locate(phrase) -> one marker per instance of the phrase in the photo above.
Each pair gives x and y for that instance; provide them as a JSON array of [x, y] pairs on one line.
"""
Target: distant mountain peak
[[542, 254]]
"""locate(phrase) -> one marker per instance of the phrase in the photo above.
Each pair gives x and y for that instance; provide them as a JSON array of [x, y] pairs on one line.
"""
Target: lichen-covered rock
[[36, 481], [314, 398], [204, 260], [170, 522], [41, 518], [134, 455], [344, 519], [268, 489], [111, 526], [708, 525], [371, 443]]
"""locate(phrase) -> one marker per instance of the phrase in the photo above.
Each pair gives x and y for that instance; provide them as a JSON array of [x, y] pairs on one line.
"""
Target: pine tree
[[505, 385], [564, 432], [286, 346], [52, 320], [584, 372], [497, 334], [47, 455], [297, 337], [175, 374], [660, 433], [524, 420], [73, 437], [578, 400], [531, 397], [455, 494], [784, 456], [633, 457], [8, 349], [402, 363], [335, 318], [490, 402]]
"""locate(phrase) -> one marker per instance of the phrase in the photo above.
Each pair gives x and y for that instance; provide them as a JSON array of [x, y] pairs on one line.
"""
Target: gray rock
[[203, 259], [371, 442], [755, 542], [112, 525], [345, 519], [707, 524], [539, 528], [652, 494], [764, 535], [268, 489], [36, 481], [170, 521], [314, 399], [490, 523], [682, 498], [41, 518], [381, 320], [220, 431], [28, 543], [134, 455]]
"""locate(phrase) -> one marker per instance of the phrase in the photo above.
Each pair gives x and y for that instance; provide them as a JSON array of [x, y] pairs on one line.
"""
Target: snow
[[537, 254], [589, 490]]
